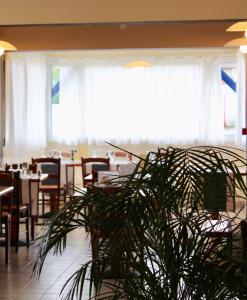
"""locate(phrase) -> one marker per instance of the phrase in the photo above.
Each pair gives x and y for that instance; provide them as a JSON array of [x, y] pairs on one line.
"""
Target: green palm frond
[[154, 240]]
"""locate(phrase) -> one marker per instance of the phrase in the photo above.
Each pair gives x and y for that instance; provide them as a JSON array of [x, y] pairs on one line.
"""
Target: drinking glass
[[25, 168]]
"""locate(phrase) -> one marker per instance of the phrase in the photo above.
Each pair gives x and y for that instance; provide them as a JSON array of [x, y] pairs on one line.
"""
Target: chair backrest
[[11, 178], [6, 178], [92, 165], [119, 155], [50, 166], [219, 192], [243, 227], [15, 166], [32, 167]]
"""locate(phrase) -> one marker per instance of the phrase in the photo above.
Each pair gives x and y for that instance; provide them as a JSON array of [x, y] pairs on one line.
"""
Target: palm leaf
[[160, 249]]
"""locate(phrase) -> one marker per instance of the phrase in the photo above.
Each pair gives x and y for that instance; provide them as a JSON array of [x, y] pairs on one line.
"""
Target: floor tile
[[17, 283]]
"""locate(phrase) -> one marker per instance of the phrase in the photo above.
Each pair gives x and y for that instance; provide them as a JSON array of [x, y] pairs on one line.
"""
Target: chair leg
[[43, 204], [7, 239], [54, 202], [15, 231], [27, 232], [64, 196], [33, 221]]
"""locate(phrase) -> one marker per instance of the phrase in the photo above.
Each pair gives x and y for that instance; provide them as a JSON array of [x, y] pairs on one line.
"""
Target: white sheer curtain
[[67, 123], [25, 104], [241, 92], [176, 101]]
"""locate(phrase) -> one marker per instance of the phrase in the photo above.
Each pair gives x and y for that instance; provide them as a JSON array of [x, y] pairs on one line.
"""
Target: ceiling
[[113, 24], [16, 12]]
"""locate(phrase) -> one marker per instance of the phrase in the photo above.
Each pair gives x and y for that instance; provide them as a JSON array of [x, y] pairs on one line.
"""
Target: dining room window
[[172, 102], [95, 96], [229, 89]]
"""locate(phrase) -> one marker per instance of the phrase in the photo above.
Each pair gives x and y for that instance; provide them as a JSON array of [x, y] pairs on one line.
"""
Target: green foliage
[[156, 230]]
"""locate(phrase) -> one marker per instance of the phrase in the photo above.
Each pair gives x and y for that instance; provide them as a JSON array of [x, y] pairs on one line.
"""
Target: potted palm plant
[[157, 235]]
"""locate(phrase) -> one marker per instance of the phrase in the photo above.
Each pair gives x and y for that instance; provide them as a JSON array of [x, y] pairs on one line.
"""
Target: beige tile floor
[[15, 279]]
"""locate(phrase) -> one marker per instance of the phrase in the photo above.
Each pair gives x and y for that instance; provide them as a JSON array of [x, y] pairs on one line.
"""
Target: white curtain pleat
[[67, 123], [25, 104], [241, 94]]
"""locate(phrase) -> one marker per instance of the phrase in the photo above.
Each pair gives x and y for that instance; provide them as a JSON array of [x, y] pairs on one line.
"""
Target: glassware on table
[[29, 172], [39, 170], [25, 166]]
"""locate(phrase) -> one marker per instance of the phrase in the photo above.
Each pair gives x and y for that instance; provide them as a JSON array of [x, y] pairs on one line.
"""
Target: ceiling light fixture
[[239, 26], [241, 42], [5, 46], [139, 64]]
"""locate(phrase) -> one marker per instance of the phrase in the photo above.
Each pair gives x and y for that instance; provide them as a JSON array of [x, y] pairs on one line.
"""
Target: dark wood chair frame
[[93, 160], [5, 217], [54, 190], [19, 211]]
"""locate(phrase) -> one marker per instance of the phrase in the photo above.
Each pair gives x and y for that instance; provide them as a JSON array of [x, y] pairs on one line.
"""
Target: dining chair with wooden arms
[[90, 166], [19, 210], [6, 180], [52, 185], [115, 155], [218, 196]]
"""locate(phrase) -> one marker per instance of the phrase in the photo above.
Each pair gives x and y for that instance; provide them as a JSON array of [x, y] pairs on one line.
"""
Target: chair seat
[[14, 208], [50, 188], [15, 212], [44, 188], [5, 216]]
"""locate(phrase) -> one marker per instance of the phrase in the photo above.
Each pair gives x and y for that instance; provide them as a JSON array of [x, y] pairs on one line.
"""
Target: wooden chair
[[14, 166], [119, 155], [5, 217], [34, 219], [243, 227], [218, 192], [19, 210], [105, 230], [95, 164], [70, 175], [52, 185], [32, 167], [96, 233]]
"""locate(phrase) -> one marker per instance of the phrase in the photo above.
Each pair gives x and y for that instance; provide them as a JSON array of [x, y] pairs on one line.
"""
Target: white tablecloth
[[31, 182], [74, 176]]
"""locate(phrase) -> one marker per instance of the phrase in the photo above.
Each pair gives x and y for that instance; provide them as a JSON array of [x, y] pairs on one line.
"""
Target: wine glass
[[25, 166], [39, 170]]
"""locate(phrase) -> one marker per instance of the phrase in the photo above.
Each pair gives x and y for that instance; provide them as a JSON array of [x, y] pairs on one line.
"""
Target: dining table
[[5, 190], [29, 194], [30, 189], [71, 172]]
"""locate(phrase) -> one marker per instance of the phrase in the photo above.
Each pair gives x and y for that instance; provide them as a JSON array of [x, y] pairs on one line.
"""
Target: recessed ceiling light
[[138, 64], [5, 46]]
